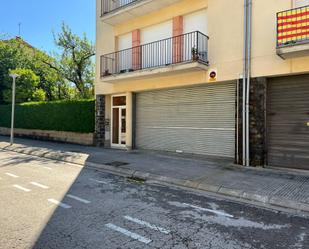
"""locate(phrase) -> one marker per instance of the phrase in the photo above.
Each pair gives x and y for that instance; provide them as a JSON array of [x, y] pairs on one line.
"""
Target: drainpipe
[[244, 80], [249, 40], [237, 121]]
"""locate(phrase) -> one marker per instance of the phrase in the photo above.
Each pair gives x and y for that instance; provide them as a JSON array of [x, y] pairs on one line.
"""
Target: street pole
[[14, 76]]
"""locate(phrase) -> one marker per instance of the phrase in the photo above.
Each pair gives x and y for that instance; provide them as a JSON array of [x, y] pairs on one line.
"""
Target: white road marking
[[145, 223], [47, 168], [128, 233], [12, 175], [78, 199], [94, 180], [60, 204], [22, 188], [39, 185], [209, 210]]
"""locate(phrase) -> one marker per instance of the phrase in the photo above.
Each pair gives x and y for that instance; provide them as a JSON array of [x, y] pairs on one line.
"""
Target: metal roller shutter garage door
[[287, 122], [198, 120]]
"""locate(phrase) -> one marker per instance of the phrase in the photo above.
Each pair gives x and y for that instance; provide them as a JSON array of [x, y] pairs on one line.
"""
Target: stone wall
[[60, 136], [258, 121], [240, 118], [100, 121], [258, 88]]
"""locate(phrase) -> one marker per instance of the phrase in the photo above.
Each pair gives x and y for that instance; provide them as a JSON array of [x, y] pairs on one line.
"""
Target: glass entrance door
[[119, 117], [123, 119]]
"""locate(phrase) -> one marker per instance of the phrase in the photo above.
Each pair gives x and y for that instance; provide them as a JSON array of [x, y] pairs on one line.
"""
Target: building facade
[[170, 77]]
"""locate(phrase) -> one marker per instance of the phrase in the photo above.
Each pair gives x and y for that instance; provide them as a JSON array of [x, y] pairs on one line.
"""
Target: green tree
[[12, 56], [38, 95], [26, 87], [16, 53], [75, 62], [48, 77]]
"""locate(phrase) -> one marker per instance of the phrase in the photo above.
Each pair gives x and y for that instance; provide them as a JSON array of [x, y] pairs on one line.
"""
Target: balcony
[[182, 53], [116, 11], [293, 33]]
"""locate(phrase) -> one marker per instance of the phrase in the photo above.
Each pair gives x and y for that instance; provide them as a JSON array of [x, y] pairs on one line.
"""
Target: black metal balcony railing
[[108, 6], [190, 47], [293, 26]]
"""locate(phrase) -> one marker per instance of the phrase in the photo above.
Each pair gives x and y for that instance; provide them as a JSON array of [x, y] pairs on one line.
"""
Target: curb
[[195, 185]]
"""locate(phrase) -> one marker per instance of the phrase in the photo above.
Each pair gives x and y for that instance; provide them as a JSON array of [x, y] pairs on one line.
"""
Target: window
[[196, 21], [119, 101], [124, 59], [159, 53], [301, 3]]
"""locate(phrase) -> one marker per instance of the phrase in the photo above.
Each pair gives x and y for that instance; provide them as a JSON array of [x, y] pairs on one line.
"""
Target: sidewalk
[[272, 187]]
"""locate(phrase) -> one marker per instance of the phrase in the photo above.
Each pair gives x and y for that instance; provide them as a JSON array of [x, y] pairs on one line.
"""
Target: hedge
[[74, 116]]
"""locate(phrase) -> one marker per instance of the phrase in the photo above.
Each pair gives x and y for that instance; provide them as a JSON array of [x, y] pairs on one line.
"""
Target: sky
[[39, 18]]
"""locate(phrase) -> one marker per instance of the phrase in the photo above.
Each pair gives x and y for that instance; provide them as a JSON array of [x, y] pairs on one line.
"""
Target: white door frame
[[120, 107]]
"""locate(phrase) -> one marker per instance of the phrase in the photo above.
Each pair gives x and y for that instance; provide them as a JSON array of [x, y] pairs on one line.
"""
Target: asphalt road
[[48, 204]]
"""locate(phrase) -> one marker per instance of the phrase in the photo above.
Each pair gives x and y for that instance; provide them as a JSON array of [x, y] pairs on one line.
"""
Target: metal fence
[[190, 47], [293, 26], [111, 5]]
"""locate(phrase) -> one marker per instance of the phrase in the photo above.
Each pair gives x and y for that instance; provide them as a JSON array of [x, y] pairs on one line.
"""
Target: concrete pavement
[[264, 186], [49, 204]]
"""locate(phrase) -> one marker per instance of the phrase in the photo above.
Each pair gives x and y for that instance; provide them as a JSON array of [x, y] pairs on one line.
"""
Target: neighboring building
[[21, 42], [168, 73]]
